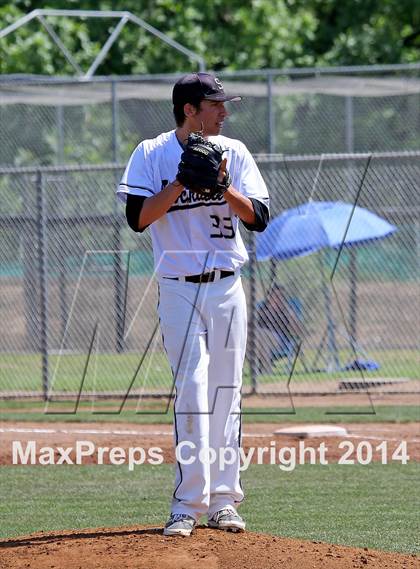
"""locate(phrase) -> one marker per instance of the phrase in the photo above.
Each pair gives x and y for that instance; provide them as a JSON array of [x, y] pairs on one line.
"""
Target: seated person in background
[[278, 328]]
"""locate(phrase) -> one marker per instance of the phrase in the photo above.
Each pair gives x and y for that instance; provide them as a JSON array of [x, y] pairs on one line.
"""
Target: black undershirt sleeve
[[262, 216], [132, 212], [135, 203]]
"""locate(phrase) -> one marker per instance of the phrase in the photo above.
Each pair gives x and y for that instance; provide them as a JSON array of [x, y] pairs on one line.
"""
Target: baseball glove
[[200, 166]]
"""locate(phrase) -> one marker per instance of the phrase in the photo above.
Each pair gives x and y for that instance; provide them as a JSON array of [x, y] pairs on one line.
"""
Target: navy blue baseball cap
[[198, 86]]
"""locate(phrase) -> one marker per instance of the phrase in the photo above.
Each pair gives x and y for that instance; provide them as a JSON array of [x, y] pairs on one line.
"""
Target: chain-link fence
[[78, 298], [345, 308], [54, 121]]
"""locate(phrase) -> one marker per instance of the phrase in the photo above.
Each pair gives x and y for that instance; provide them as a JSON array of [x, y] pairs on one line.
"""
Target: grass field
[[373, 506], [109, 372], [156, 413]]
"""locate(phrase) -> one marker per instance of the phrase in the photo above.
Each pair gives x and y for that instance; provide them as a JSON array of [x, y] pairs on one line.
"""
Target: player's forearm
[[154, 207], [240, 204]]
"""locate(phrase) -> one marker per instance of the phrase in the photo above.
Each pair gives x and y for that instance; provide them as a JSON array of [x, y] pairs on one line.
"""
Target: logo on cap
[[218, 83], [198, 86]]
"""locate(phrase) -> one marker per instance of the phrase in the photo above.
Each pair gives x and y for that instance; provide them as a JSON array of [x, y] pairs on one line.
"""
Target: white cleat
[[179, 524], [227, 519]]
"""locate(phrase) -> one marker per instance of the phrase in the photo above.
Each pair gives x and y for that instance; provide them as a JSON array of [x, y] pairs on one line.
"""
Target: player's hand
[[222, 171], [223, 179]]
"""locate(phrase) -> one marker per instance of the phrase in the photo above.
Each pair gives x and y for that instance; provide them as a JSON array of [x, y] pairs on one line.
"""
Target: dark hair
[[179, 111]]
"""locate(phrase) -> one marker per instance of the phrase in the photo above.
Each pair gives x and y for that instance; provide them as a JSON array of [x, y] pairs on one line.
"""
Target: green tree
[[230, 35], [356, 32]]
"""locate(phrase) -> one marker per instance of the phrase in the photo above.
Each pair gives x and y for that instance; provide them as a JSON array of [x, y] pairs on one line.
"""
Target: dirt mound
[[147, 548]]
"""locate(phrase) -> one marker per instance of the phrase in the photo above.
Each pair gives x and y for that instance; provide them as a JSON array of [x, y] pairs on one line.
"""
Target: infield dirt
[[147, 548]]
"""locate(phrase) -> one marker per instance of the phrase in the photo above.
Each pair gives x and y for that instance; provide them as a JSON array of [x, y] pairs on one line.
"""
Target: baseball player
[[194, 190]]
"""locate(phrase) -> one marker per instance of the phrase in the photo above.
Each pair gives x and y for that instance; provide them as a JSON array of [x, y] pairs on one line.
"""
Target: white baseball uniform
[[203, 324]]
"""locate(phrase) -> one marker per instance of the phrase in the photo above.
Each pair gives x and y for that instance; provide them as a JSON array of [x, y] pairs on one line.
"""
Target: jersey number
[[224, 227]]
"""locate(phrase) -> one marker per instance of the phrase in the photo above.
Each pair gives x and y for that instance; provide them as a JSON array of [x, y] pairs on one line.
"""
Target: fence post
[[116, 237], [60, 134], [353, 297], [30, 274], [349, 132], [271, 116], [41, 231], [251, 326], [349, 124], [115, 122]]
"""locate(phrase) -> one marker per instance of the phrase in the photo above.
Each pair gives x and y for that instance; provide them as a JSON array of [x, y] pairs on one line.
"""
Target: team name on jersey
[[188, 197], [191, 199], [188, 200]]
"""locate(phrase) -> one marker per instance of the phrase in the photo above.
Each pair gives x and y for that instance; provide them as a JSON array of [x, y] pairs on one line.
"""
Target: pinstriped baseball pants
[[204, 333]]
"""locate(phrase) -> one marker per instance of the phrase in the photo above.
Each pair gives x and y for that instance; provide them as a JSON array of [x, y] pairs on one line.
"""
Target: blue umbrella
[[315, 225]]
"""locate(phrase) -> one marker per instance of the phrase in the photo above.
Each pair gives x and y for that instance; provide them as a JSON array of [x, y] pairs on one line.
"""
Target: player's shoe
[[227, 519], [179, 524]]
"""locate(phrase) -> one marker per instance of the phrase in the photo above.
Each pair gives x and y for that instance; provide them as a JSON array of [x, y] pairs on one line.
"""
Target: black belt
[[203, 277]]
